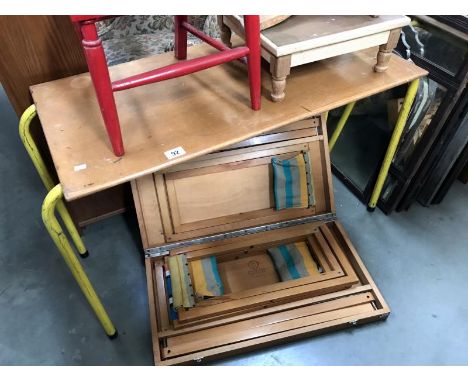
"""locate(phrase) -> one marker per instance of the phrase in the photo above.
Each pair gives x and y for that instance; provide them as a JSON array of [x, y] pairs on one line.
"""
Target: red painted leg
[[180, 42], [252, 39], [99, 72]]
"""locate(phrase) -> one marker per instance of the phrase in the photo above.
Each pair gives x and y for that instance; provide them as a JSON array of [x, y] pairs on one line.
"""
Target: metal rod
[[341, 124], [392, 146], [65, 249], [31, 148], [162, 250]]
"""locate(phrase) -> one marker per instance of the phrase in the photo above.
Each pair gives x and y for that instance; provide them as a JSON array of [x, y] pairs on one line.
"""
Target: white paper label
[[174, 153], [80, 167]]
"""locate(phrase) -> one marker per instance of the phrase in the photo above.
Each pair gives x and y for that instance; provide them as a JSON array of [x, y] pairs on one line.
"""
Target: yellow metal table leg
[[392, 146], [62, 243], [31, 148], [341, 124]]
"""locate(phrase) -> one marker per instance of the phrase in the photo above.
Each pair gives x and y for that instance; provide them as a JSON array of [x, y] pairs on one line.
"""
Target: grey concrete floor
[[419, 259]]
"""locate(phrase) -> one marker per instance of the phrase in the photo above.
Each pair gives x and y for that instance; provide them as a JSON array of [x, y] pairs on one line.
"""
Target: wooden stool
[[99, 71], [303, 39]]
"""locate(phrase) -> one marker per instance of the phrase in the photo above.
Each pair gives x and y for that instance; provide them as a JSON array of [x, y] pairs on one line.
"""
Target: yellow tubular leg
[[341, 124], [31, 148], [62, 243], [392, 146]]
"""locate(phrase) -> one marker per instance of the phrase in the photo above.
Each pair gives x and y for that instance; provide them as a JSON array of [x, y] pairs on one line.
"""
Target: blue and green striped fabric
[[292, 182], [195, 282], [293, 261], [206, 278]]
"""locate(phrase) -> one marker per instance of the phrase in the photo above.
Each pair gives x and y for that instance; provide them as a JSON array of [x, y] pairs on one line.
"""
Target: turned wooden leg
[[280, 67], [252, 40], [385, 51], [225, 32], [180, 38], [99, 72]]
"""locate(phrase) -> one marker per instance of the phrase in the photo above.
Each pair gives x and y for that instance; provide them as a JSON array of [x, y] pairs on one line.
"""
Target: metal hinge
[[198, 359], [353, 322], [164, 249]]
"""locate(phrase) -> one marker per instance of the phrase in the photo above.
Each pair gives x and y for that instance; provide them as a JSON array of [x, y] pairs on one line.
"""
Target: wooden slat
[[327, 166], [184, 328], [275, 137], [268, 299], [319, 243], [285, 315], [152, 302], [319, 173], [202, 112], [273, 339], [163, 310], [364, 275], [324, 262], [244, 154], [222, 339], [147, 208], [229, 245], [279, 286], [337, 249], [139, 212], [163, 206]]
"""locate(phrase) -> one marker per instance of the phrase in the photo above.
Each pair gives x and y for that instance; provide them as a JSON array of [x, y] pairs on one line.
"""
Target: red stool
[[99, 70]]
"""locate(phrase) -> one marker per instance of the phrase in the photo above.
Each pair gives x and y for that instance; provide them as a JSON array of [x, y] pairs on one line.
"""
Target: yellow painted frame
[[36, 158], [394, 141], [393, 144], [53, 198]]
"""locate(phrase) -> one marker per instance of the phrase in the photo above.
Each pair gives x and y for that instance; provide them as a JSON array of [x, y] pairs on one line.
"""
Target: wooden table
[[201, 113]]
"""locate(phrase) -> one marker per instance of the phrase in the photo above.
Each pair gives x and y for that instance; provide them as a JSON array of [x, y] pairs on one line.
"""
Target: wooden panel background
[[37, 49], [230, 189]]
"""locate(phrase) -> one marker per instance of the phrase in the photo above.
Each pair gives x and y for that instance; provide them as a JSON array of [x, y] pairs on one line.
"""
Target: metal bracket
[[164, 249]]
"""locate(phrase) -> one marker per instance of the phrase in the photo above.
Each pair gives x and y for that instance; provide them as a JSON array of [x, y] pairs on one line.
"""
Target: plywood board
[[202, 113]]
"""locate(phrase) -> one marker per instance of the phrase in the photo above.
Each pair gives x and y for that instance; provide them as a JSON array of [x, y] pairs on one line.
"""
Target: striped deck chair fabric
[[181, 283], [206, 278], [292, 182], [293, 261]]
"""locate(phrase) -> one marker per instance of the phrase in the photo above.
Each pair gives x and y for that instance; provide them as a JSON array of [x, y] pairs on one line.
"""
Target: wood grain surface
[[202, 112]]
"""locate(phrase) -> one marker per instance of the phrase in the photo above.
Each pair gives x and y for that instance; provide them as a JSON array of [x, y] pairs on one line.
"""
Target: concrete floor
[[419, 259]]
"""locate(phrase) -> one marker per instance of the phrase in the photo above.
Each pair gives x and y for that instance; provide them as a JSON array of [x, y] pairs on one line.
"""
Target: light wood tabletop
[[201, 112]]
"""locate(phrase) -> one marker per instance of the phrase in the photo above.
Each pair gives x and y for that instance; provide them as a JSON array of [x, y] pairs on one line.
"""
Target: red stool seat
[[99, 71]]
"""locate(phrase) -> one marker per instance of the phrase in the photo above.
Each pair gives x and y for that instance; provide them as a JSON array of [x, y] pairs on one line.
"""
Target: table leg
[[280, 67], [31, 148], [341, 124], [385, 51], [392, 146], [65, 249]]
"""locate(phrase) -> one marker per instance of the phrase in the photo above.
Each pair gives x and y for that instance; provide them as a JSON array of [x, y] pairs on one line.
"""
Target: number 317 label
[[174, 153]]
